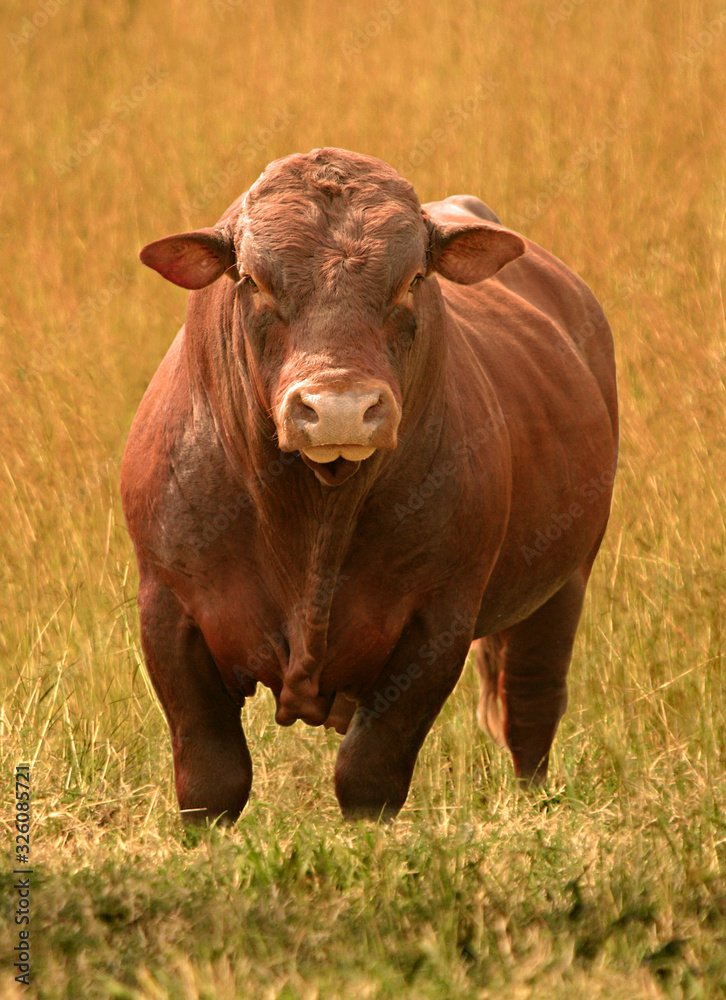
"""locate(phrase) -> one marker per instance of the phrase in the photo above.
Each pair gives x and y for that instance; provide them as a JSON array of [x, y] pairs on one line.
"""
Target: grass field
[[596, 129]]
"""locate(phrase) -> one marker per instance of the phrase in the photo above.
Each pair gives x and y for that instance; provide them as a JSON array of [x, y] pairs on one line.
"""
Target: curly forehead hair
[[313, 217], [332, 174]]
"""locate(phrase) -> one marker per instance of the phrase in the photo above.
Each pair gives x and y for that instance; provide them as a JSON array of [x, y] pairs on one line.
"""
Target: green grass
[[612, 882], [608, 883]]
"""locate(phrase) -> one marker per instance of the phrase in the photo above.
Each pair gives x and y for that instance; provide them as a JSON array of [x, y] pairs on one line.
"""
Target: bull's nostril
[[302, 413], [376, 411]]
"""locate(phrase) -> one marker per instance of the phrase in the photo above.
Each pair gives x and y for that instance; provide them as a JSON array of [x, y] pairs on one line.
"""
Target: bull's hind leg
[[532, 681], [212, 765]]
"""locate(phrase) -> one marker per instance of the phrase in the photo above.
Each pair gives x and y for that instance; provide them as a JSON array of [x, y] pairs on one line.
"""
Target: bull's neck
[[424, 410], [303, 530], [220, 374]]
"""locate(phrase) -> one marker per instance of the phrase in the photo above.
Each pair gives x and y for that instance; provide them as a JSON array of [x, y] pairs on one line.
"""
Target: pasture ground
[[596, 129]]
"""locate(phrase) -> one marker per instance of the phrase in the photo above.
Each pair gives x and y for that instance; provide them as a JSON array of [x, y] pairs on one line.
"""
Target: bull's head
[[332, 254]]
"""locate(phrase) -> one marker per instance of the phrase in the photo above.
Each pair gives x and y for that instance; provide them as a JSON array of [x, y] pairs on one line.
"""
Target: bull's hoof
[[377, 813], [199, 818], [360, 799]]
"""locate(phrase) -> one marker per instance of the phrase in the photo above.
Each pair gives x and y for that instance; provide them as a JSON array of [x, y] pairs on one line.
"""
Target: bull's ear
[[471, 252], [192, 260]]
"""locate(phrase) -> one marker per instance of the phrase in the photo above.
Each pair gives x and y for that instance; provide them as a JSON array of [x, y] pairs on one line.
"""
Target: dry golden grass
[[596, 128]]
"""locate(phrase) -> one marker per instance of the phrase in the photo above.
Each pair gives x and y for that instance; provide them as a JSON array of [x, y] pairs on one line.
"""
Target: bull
[[386, 432]]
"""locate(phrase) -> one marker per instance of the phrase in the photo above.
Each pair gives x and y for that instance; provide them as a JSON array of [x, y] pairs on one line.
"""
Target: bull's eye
[[249, 280], [417, 279]]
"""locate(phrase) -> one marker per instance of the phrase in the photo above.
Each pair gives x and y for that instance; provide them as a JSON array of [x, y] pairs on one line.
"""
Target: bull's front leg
[[376, 759], [212, 765]]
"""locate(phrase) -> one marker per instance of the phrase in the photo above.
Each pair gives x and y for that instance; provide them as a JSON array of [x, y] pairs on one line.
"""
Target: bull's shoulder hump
[[167, 394], [461, 208]]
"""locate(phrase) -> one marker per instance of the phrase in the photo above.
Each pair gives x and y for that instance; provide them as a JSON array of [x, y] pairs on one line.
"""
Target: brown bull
[[357, 457]]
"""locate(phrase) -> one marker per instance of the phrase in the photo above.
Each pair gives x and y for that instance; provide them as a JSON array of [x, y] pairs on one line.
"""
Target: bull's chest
[[254, 638]]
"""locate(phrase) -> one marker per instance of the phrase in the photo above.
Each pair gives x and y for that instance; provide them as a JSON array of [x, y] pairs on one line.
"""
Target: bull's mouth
[[334, 464]]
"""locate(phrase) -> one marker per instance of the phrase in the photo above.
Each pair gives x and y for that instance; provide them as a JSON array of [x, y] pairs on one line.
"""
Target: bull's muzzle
[[330, 422]]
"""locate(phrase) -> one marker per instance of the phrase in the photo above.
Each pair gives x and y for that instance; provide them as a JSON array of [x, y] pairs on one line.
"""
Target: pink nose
[[318, 416]]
